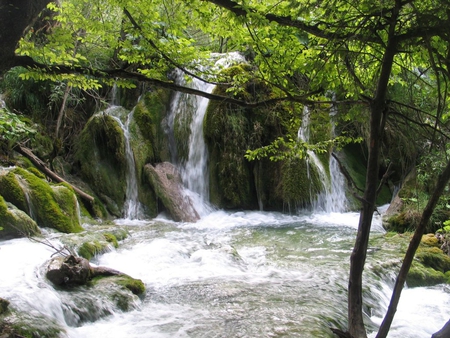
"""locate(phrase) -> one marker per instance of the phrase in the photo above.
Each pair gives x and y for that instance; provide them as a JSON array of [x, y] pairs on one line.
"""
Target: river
[[242, 274]]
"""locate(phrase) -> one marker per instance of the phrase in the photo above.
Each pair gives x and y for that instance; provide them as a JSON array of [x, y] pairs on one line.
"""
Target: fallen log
[[46, 171]]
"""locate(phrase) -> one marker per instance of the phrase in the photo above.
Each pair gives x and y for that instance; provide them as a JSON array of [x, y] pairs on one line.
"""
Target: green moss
[[12, 191], [3, 305], [46, 207], [420, 275], [433, 257], [88, 250], [403, 222], [100, 154], [430, 240], [296, 187], [15, 222], [136, 286], [110, 238]]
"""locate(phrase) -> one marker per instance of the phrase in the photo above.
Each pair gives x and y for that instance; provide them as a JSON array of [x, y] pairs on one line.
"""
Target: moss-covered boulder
[[420, 275], [433, 257], [231, 130], [50, 205], [96, 241], [431, 265], [149, 142], [136, 286], [15, 223], [16, 323], [100, 156], [3, 305], [12, 189]]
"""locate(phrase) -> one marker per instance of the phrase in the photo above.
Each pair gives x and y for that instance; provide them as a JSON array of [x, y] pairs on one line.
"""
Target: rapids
[[242, 274]]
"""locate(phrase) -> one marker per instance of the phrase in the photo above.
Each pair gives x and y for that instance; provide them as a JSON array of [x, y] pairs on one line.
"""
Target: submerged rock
[[166, 181]]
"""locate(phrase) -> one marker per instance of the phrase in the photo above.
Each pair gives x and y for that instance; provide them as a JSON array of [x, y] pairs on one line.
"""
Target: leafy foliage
[[13, 129]]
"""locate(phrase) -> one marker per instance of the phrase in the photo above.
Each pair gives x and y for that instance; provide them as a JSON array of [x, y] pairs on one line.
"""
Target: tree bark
[[409, 256], [358, 257], [444, 332], [43, 168]]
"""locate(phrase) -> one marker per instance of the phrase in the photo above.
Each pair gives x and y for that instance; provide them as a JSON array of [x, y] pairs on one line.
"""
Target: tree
[[361, 51]]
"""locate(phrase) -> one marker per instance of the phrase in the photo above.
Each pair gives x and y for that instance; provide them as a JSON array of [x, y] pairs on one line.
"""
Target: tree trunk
[[43, 168], [358, 257], [409, 256], [444, 332], [62, 110]]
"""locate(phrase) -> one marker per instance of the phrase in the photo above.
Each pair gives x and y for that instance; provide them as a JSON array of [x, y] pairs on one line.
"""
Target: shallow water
[[245, 274]]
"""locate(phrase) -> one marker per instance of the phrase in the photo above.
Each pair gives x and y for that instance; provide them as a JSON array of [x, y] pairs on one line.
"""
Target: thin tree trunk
[[444, 332], [409, 256], [62, 109]]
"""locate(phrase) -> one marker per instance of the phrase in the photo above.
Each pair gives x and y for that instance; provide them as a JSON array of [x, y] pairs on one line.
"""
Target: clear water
[[245, 274]]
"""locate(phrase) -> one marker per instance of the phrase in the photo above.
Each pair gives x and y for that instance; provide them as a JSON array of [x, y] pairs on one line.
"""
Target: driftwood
[[44, 169]]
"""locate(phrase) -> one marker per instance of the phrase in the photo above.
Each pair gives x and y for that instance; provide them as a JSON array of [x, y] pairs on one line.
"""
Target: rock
[[166, 181], [3, 305], [69, 271], [15, 222]]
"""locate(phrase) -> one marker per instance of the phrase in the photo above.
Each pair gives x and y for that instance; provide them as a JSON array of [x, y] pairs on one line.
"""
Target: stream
[[242, 274]]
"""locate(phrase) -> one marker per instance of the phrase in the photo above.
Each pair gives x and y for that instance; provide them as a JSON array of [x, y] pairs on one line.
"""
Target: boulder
[[15, 223], [166, 182]]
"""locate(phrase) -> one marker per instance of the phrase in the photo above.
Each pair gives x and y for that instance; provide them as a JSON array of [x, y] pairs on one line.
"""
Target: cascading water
[[245, 274], [132, 209], [332, 198], [194, 170]]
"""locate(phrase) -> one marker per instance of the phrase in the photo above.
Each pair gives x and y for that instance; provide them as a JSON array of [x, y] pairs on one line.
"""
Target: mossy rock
[[403, 222], [149, 114], [110, 238], [420, 275], [122, 289], [3, 305], [97, 240], [12, 191], [433, 257], [100, 155], [89, 250], [15, 223], [429, 240], [51, 205], [296, 188], [29, 325], [136, 286]]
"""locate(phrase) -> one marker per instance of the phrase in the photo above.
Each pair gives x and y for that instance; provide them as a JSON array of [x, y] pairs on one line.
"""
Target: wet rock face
[[69, 271], [166, 181]]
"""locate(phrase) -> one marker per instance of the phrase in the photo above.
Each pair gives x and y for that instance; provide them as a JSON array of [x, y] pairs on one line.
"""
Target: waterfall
[[132, 209], [332, 198], [194, 170]]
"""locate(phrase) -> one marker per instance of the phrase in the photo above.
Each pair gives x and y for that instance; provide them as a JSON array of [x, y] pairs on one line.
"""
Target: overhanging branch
[[125, 74]]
